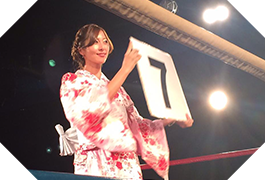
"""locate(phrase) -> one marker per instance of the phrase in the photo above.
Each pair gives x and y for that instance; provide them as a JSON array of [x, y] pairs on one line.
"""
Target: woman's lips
[[102, 54]]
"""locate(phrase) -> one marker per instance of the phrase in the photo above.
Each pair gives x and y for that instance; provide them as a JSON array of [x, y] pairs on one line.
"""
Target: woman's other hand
[[184, 123]]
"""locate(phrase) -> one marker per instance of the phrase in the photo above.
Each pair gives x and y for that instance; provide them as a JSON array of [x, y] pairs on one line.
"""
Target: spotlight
[[170, 5], [218, 100], [220, 13]]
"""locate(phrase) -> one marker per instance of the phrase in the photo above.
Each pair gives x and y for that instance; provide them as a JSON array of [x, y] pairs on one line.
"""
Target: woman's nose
[[102, 45]]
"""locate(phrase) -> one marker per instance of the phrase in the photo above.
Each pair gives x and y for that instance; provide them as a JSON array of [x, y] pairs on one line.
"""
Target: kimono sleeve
[[85, 102], [151, 141]]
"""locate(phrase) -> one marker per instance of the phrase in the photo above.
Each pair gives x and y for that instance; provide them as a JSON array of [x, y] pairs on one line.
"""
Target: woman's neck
[[93, 70]]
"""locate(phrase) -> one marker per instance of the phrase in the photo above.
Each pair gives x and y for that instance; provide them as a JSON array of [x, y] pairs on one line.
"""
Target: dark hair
[[85, 37]]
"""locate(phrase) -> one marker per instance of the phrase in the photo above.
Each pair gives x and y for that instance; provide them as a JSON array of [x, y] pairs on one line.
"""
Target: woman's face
[[96, 54]]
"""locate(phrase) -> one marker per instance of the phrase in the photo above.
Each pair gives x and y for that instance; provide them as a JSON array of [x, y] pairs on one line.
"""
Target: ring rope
[[171, 26], [208, 157]]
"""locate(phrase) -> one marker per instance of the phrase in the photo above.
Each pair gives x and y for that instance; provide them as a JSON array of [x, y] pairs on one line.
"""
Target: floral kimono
[[111, 134]]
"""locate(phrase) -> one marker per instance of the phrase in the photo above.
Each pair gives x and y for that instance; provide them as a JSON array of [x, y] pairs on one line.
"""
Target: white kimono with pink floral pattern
[[111, 134]]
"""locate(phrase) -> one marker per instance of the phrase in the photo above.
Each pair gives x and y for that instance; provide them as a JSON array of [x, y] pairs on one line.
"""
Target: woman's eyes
[[104, 41]]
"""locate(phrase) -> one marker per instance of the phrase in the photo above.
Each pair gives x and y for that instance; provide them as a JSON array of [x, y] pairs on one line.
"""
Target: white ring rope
[[160, 21]]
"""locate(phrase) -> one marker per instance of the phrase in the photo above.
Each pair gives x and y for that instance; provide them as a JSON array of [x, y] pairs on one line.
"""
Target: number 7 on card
[[161, 85]]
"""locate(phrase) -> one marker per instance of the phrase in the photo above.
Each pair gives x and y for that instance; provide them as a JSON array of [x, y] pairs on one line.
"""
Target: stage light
[[220, 13], [52, 63], [209, 16], [218, 100]]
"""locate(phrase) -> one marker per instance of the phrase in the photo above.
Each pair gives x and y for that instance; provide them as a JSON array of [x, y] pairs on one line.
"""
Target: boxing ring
[[211, 157], [24, 174], [164, 23], [44, 175], [171, 26]]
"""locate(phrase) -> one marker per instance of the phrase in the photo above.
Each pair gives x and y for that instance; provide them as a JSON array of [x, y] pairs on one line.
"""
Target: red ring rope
[[208, 157]]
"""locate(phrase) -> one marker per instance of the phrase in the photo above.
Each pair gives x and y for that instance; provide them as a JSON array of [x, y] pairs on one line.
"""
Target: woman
[[111, 133]]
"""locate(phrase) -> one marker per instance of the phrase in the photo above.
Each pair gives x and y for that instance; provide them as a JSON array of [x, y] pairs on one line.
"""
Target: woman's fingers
[[188, 117], [131, 57], [135, 55], [189, 121], [185, 123]]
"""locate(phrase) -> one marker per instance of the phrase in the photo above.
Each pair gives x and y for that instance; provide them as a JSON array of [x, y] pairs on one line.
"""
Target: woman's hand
[[131, 57], [185, 123], [182, 123]]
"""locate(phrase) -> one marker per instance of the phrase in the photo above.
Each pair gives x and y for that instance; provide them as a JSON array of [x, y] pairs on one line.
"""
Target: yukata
[[111, 133]]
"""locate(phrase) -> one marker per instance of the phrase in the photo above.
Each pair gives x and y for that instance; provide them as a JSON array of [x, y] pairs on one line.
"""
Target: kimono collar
[[87, 73]]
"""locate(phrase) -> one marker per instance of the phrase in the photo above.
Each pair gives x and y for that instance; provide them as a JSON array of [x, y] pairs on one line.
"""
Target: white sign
[[160, 82]]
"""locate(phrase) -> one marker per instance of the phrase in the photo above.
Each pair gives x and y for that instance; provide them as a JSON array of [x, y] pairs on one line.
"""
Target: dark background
[[30, 104]]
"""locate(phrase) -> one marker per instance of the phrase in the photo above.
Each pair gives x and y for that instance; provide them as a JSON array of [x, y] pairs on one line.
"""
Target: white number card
[[160, 82]]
